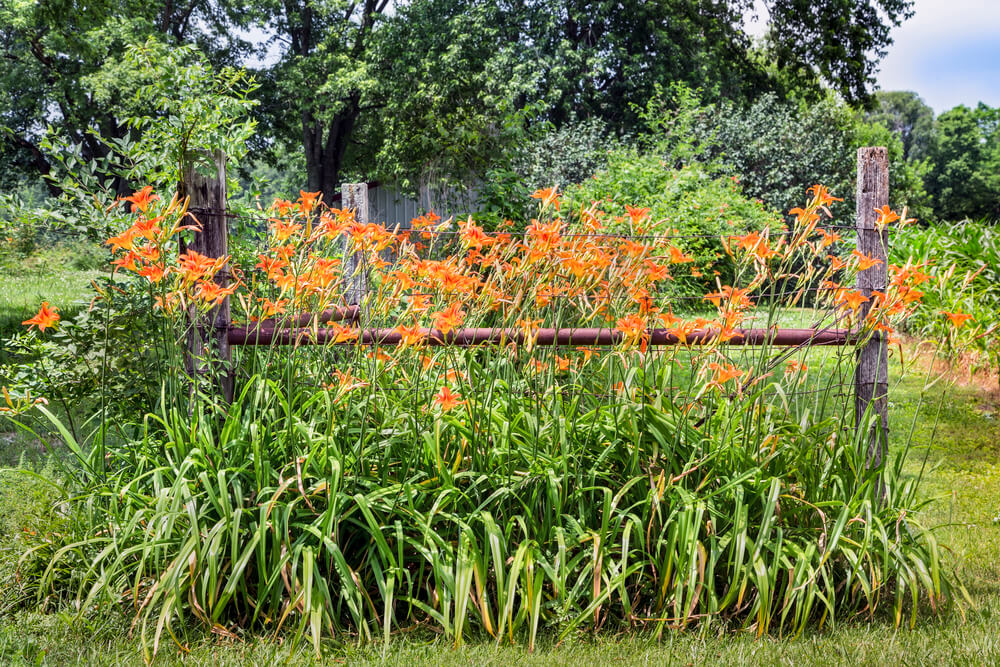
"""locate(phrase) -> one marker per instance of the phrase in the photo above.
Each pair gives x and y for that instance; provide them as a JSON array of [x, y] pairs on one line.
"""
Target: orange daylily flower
[[342, 334], [148, 229], [910, 295], [656, 272], [724, 374], [154, 272], [126, 262], [142, 198], [447, 399], [864, 261], [573, 264], [828, 238], [194, 265], [804, 217], [426, 220], [637, 214], [735, 296], [212, 292], [148, 252], [544, 237], [308, 200], [852, 299], [633, 249], [677, 256], [271, 265], [821, 195], [284, 229], [548, 196], [410, 335], [958, 319], [885, 216], [449, 318], [538, 366], [795, 368], [272, 308], [633, 327], [420, 302], [46, 317], [756, 244], [472, 235], [166, 303], [345, 384], [121, 242]]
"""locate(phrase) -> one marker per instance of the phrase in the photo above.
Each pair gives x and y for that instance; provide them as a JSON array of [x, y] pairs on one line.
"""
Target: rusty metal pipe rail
[[338, 314], [270, 335]]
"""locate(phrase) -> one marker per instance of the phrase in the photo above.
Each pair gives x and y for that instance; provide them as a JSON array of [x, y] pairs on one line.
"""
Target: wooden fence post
[[354, 196], [208, 205], [871, 379]]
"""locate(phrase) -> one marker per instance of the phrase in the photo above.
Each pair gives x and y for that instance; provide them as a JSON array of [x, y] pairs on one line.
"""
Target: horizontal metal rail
[[264, 334], [338, 314]]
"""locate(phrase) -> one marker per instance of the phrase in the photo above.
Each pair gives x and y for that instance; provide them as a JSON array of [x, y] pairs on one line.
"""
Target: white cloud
[[949, 53]]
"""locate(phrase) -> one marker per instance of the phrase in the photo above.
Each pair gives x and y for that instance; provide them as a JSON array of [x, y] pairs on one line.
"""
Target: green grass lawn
[[22, 290]]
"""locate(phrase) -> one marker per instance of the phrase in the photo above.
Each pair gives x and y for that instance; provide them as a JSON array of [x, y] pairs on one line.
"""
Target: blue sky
[[948, 53]]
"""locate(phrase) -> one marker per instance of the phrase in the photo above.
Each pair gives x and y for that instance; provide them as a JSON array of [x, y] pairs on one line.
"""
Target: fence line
[[871, 375], [468, 337]]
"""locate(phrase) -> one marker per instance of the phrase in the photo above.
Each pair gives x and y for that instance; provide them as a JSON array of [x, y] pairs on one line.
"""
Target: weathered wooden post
[[354, 196], [208, 342], [871, 379]]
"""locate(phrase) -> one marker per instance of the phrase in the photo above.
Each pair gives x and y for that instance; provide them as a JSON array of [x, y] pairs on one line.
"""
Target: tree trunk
[[325, 146]]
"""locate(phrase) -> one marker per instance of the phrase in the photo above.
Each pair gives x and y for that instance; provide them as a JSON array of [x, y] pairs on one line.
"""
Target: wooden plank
[[208, 340], [354, 196], [871, 408]]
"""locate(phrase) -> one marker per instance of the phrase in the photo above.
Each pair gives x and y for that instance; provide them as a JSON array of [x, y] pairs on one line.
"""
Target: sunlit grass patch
[[21, 291]]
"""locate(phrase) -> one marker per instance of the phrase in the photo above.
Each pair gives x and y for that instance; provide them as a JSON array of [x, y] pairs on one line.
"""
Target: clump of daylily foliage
[[458, 452]]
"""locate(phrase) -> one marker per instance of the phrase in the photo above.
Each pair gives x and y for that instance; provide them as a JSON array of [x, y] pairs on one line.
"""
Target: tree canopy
[[373, 86]]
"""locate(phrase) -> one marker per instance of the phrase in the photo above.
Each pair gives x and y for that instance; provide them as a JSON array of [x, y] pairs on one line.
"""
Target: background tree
[[598, 58], [453, 89], [323, 81], [838, 41], [988, 120], [908, 116], [777, 147], [957, 181], [51, 48]]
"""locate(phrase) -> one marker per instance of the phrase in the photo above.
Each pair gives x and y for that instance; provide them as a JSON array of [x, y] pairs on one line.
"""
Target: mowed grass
[[23, 289]]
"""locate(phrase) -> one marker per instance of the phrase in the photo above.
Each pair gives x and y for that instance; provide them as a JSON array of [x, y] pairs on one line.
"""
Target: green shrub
[[558, 157], [778, 148], [519, 514], [687, 202], [104, 356]]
